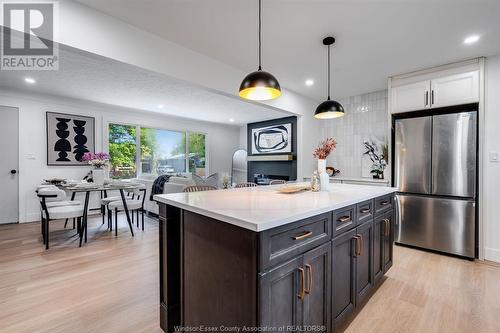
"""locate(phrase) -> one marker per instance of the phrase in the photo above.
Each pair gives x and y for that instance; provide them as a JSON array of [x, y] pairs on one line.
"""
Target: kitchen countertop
[[261, 208]]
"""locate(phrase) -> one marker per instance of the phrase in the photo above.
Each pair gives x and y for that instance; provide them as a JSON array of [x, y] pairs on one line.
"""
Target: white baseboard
[[492, 254]]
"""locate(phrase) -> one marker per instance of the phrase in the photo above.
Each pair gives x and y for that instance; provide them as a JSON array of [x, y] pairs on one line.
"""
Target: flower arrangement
[[97, 160], [379, 160], [324, 148]]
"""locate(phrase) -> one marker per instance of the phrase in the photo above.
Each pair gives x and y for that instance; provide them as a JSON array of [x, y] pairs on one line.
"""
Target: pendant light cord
[[260, 35], [329, 72]]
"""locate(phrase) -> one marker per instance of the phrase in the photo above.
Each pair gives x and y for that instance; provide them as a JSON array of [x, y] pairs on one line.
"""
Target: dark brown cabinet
[[313, 272], [364, 261], [297, 293], [343, 276], [279, 292], [383, 233]]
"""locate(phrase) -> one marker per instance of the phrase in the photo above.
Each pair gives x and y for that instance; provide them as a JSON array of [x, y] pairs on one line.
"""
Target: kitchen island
[[254, 258]]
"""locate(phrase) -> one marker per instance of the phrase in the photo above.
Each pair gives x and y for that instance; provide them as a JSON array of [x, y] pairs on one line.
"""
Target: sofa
[[174, 185]]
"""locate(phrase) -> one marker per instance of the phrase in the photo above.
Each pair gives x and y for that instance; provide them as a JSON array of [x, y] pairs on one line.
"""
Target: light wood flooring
[[111, 285]]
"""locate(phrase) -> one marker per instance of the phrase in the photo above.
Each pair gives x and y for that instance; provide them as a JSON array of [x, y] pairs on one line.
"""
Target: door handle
[[432, 97], [13, 171], [301, 292], [365, 210], [426, 98], [309, 278], [384, 203], [356, 246]]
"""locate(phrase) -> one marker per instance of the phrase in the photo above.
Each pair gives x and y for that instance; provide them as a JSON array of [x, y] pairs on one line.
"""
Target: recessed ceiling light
[[309, 82], [30, 80], [231, 120], [160, 106], [471, 39]]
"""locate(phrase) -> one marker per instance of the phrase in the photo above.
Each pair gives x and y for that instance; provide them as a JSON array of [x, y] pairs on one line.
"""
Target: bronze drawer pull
[[365, 210], [301, 292], [356, 246], [309, 277], [384, 203], [387, 229], [304, 235], [344, 219]]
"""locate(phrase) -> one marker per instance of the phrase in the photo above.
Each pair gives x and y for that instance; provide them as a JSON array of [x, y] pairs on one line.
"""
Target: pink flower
[[325, 148]]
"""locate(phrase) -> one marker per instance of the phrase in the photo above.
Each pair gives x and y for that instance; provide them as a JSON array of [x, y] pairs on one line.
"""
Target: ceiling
[[375, 38], [115, 83]]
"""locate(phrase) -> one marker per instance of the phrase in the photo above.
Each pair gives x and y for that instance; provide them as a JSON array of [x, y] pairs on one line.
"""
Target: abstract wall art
[[69, 136], [274, 139]]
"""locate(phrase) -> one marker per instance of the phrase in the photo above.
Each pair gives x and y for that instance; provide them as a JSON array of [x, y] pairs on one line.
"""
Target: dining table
[[87, 188]]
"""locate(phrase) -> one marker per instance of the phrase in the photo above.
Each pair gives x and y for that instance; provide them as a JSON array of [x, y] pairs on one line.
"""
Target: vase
[[98, 176], [324, 179]]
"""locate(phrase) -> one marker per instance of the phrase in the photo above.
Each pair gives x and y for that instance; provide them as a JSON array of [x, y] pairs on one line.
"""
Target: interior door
[[454, 154], [413, 155], [9, 181]]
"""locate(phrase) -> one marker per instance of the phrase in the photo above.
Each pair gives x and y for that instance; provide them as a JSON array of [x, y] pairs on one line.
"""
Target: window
[[155, 151], [122, 151], [196, 142], [162, 151]]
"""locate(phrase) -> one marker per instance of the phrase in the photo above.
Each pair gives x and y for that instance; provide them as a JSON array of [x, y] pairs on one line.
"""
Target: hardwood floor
[[111, 285], [108, 285], [426, 292]]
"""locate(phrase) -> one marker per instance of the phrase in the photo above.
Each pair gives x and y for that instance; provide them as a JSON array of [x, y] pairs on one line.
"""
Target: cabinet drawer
[[383, 204], [285, 242], [344, 219], [364, 211]]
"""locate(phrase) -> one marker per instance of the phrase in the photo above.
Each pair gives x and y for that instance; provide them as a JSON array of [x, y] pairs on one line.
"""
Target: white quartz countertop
[[261, 208]]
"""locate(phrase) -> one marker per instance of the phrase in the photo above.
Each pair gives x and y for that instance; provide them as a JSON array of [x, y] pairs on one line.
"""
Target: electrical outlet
[[30, 156], [494, 156]]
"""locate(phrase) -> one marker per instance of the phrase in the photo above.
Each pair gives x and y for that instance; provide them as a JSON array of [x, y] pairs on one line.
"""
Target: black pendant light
[[260, 85], [329, 109]]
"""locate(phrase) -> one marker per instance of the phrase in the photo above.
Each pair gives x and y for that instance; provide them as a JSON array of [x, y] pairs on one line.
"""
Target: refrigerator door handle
[[397, 219]]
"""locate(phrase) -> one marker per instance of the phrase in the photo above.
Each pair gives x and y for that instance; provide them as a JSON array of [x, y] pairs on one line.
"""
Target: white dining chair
[[134, 204], [52, 209]]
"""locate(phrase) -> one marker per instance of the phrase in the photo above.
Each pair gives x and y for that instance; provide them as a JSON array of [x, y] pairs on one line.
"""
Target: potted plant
[[379, 160], [99, 161], [321, 153]]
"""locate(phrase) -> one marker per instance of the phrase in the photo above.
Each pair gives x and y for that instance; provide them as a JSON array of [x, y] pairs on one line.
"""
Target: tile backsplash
[[365, 118]]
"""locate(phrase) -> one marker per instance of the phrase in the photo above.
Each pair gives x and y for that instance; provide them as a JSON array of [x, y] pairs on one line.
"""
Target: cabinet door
[[455, 89], [343, 277], [378, 248], [410, 97], [280, 301], [388, 241], [364, 262], [317, 265]]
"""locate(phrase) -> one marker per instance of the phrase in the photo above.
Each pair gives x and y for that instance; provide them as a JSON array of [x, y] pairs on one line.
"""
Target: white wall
[[222, 140], [366, 118], [491, 183]]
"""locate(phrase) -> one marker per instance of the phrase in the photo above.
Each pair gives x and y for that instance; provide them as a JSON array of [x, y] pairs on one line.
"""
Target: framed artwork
[[276, 139], [69, 136]]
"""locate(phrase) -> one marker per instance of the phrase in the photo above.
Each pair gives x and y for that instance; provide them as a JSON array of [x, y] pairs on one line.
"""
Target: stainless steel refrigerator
[[435, 170]]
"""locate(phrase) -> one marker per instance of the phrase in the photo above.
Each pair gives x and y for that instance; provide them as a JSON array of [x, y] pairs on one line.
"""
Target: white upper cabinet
[[410, 97], [455, 89], [447, 85]]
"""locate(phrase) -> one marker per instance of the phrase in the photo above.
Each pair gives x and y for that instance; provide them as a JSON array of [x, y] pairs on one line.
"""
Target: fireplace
[[262, 179]]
